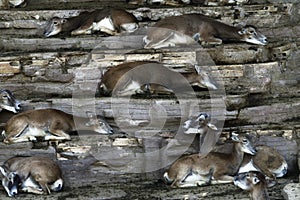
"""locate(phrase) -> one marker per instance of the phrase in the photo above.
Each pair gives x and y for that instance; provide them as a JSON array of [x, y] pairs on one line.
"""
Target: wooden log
[[274, 113], [9, 68]]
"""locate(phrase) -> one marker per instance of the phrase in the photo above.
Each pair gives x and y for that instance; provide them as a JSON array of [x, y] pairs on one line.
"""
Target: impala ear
[[235, 136], [3, 170]]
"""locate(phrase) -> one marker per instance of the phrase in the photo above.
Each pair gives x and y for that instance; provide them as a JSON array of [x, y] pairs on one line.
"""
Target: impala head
[[54, 26], [203, 118], [10, 181], [249, 180], [9, 102], [98, 123], [252, 35], [245, 143]]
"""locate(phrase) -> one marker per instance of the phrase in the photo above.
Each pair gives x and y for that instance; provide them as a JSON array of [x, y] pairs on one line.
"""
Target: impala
[[39, 175], [51, 124], [192, 28], [108, 21], [212, 168]]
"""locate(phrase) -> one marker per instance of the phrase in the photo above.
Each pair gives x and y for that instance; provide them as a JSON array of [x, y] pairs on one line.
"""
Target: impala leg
[[16, 131], [210, 41], [57, 135], [25, 138], [223, 179], [30, 189], [45, 187]]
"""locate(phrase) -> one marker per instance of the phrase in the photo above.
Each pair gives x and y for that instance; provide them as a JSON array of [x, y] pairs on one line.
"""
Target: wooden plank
[[275, 113], [9, 68]]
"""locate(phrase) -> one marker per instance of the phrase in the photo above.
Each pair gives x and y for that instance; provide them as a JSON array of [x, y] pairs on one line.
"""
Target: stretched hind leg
[[20, 133], [57, 135], [223, 179], [210, 40]]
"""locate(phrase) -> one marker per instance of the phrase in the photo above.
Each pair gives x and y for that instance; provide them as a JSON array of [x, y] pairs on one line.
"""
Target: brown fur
[[256, 183], [83, 22], [221, 166], [268, 161], [114, 74], [198, 28], [53, 121], [42, 170]]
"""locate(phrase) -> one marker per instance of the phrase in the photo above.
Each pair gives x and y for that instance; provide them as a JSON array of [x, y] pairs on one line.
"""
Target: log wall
[[261, 83]]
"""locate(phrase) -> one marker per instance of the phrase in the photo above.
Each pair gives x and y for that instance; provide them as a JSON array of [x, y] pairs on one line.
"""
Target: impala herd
[[252, 168]]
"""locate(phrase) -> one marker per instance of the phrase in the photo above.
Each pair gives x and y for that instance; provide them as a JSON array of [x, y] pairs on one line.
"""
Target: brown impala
[[192, 28]]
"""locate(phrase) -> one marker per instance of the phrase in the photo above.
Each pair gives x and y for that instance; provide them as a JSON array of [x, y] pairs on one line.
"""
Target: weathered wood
[[261, 84]]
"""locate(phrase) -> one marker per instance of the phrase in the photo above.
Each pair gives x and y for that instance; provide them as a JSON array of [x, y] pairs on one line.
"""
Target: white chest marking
[[248, 167]]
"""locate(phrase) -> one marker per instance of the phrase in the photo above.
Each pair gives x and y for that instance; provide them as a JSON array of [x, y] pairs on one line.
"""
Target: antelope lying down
[[38, 175], [267, 160], [256, 183], [213, 168], [107, 21], [128, 78], [51, 124], [192, 28], [9, 102]]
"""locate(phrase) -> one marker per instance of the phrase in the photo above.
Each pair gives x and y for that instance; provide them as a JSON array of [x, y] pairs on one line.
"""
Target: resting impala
[[132, 76], [108, 21], [51, 124], [256, 183], [267, 160], [213, 168], [39, 175], [191, 28], [9, 102]]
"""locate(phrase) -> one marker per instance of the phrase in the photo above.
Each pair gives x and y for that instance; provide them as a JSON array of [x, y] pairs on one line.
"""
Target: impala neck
[[236, 157], [260, 193], [79, 123]]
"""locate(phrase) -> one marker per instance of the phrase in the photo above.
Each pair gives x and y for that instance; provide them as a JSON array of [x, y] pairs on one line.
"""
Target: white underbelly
[[104, 24], [179, 38], [281, 171], [34, 131], [248, 167], [193, 178]]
